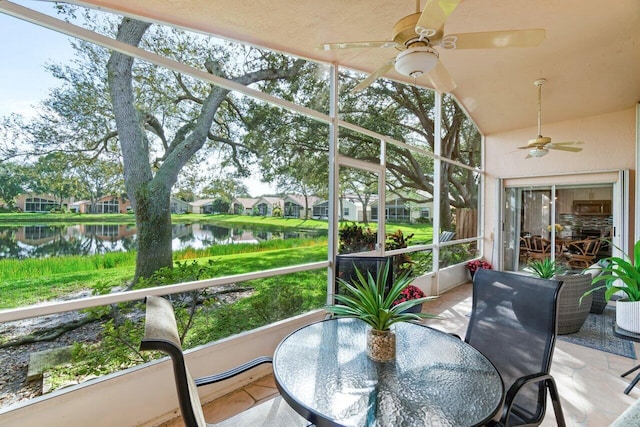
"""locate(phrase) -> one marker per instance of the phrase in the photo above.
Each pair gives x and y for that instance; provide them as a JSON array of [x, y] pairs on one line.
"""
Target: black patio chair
[[346, 269], [513, 323], [161, 334]]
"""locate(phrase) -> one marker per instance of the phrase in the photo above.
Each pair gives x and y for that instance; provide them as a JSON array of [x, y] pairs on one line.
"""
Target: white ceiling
[[590, 56]]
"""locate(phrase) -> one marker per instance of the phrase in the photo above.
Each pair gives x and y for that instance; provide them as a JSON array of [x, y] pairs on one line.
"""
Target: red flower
[[476, 264], [409, 293]]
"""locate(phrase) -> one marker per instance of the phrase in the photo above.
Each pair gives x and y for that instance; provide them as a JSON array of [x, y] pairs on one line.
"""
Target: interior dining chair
[[513, 323], [539, 248], [161, 334], [525, 247], [582, 253]]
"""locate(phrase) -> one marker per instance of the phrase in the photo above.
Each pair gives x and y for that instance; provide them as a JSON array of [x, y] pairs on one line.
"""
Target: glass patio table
[[323, 372]]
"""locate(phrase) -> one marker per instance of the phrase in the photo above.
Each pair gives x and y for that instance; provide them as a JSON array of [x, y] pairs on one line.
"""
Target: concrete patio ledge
[[145, 393]]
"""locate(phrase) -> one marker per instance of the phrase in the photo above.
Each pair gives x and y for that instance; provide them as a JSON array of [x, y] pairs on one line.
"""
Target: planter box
[[628, 315], [571, 312]]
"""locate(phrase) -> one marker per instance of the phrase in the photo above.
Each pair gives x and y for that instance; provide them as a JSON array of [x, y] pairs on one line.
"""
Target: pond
[[39, 241]]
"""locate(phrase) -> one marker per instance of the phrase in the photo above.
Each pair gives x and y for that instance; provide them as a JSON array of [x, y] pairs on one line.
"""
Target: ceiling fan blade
[[352, 45], [563, 148], [434, 15], [567, 143], [440, 79], [373, 76], [493, 39]]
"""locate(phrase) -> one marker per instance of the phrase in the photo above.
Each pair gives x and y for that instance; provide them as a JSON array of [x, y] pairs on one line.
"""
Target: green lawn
[[25, 282], [48, 284]]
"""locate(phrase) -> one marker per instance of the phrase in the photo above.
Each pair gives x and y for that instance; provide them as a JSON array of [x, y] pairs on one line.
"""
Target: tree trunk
[[150, 189], [150, 197], [154, 236]]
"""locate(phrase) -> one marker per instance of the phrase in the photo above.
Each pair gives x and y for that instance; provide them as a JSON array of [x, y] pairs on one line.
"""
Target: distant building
[[243, 205], [32, 202], [264, 206], [293, 206], [348, 210], [400, 210], [104, 205], [179, 206], [203, 206]]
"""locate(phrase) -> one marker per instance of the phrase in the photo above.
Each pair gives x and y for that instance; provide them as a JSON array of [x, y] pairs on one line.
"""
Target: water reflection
[[39, 241]]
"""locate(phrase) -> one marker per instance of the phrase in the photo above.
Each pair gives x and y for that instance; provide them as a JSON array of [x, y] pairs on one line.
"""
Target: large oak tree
[[158, 122]]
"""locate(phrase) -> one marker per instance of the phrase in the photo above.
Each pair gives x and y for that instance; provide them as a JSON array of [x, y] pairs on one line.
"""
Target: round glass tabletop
[[323, 371]]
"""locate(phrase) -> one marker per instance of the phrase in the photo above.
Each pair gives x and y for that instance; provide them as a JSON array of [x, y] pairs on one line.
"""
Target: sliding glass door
[[553, 221]]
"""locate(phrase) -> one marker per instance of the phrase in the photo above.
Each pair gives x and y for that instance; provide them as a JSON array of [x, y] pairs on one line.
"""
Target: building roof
[[299, 199], [201, 202], [246, 202], [269, 200]]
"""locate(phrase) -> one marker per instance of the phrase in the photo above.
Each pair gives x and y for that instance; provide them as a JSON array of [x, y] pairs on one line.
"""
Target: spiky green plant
[[625, 270], [367, 300], [544, 268]]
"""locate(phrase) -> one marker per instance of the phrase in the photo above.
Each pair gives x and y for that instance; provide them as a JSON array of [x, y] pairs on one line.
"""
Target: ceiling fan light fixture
[[538, 152], [416, 61]]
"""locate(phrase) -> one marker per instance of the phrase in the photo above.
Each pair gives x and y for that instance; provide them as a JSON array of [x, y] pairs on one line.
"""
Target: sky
[[25, 48]]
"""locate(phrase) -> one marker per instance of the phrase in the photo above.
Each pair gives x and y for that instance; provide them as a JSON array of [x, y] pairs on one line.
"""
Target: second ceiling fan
[[541, 145], [417, 35]]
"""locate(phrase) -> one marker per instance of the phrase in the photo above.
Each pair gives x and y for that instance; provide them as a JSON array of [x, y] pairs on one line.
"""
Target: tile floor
[[589, 380]]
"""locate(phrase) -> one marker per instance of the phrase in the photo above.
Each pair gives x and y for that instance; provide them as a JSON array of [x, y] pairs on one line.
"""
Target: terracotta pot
[[381, 345], [628, 315]]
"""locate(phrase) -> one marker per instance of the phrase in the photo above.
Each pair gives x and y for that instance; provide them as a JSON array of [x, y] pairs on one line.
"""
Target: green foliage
[[272, 299], [421, 262], [422, 220], [455, 254], [201, 317], [402, 262], [182, 272], [544, 268], [615, 270], [368, 300], [277, 211], [240, 248], [356, 238], [13, 180], [11, 269], [47, 283]]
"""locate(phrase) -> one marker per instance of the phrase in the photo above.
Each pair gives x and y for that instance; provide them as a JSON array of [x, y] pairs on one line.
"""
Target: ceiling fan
[[416, 36], [541, 145]]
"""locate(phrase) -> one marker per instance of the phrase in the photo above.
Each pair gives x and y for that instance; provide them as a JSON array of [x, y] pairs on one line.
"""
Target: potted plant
[[572, 312], [477, 264], [544, 268], [622, 275], [411, 292], [367, 300]]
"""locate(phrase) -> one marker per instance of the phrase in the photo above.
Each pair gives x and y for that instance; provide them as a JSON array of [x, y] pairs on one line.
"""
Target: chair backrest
[[592, 246], [539, 244], [585, 247], [161, 333], [513, 323], [446, 236], [346, 268]]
